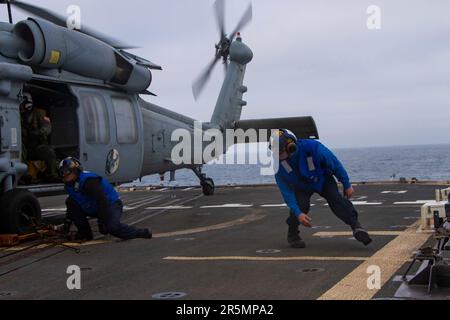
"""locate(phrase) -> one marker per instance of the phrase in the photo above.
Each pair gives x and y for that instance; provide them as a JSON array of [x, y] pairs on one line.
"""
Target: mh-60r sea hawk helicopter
[[90, 87]]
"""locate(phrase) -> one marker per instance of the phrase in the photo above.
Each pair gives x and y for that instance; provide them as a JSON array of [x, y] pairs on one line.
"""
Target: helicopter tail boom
[[230, 103]]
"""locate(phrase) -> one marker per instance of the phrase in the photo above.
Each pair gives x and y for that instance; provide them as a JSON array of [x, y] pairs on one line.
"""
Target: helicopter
[[91, 87]]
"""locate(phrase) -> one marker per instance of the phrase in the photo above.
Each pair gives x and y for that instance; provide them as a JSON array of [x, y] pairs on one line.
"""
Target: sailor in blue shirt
[[308, 167], [92, 196]]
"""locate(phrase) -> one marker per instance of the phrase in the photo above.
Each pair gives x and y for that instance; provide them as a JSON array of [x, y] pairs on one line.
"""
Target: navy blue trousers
[[112, 226], [341, 207]]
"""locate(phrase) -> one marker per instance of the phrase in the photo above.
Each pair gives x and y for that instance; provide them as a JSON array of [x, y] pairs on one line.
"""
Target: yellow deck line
[[234, 223], [90, 243], [238, 258], [350, 234], [389, 259], [244, 220]]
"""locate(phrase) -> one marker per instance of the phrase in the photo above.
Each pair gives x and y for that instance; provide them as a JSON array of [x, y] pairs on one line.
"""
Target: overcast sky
[[315, 57]]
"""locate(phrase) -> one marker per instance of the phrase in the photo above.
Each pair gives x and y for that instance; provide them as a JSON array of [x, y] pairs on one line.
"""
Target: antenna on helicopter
[[8, 4]]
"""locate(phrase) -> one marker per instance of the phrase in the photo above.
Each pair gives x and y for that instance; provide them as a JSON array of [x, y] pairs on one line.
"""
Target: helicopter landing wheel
[[207, 184], [20, 213], [208, 187]]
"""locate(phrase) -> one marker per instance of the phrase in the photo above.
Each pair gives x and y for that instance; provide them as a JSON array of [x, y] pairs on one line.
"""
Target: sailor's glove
[[66, 229]]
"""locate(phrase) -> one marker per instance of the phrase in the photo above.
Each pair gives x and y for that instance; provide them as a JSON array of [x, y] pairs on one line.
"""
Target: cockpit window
[[96, 118]]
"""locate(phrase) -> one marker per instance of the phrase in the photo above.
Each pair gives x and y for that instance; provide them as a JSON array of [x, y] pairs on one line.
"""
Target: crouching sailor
[[308, 167], [91, 196]]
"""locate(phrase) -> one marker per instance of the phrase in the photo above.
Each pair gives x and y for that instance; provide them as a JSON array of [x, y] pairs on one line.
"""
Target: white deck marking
[[54, 210], [281, 206], [137, 203], [55, 214], [136, 200], [228, 206], [283, 259], [20, 248], [169, 208], [162, 190], [350, 234], [362, 198], [139, 199], [394, 192], [143, 202], [390, 259], [49, 213], [364, 203], [274, 206], [418, 202], [174, 202], [188, 189]]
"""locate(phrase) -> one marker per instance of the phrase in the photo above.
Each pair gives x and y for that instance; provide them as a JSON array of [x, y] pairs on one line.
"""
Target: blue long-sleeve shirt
[[294, 175]]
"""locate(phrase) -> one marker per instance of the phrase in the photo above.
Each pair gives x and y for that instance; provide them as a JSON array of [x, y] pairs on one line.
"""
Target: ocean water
[[425, 163]]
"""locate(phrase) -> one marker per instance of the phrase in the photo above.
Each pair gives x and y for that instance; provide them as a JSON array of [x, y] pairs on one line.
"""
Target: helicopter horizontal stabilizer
[[302, 127]]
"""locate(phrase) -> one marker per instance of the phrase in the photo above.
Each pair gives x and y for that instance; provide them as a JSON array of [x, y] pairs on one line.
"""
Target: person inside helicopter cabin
[[36, 130]]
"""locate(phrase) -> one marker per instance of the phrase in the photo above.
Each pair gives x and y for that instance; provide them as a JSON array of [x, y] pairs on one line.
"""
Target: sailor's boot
[[361, 234], [294, 239]]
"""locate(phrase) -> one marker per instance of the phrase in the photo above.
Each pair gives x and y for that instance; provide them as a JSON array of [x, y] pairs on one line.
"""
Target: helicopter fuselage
[[91, 93]]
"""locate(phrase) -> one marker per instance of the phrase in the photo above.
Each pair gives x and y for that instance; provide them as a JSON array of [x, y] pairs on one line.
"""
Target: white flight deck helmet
[[284, 139]]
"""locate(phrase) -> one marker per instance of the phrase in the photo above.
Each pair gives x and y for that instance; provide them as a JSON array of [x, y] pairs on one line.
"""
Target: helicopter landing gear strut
[[206, 183]]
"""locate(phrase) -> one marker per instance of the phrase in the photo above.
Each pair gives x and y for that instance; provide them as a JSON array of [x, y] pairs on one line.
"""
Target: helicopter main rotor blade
[[201, 81], [62, 22], [245, 20], [219, 9]]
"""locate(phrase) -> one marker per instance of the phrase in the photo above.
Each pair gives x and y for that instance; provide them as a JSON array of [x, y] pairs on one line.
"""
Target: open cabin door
[[110, 133]]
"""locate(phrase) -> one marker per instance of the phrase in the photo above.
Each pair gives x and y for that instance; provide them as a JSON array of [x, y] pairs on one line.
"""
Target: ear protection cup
[[292, 147], [291, 141]]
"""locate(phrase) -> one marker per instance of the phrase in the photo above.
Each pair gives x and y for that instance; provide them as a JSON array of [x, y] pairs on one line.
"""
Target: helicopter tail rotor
[[222, 47]]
